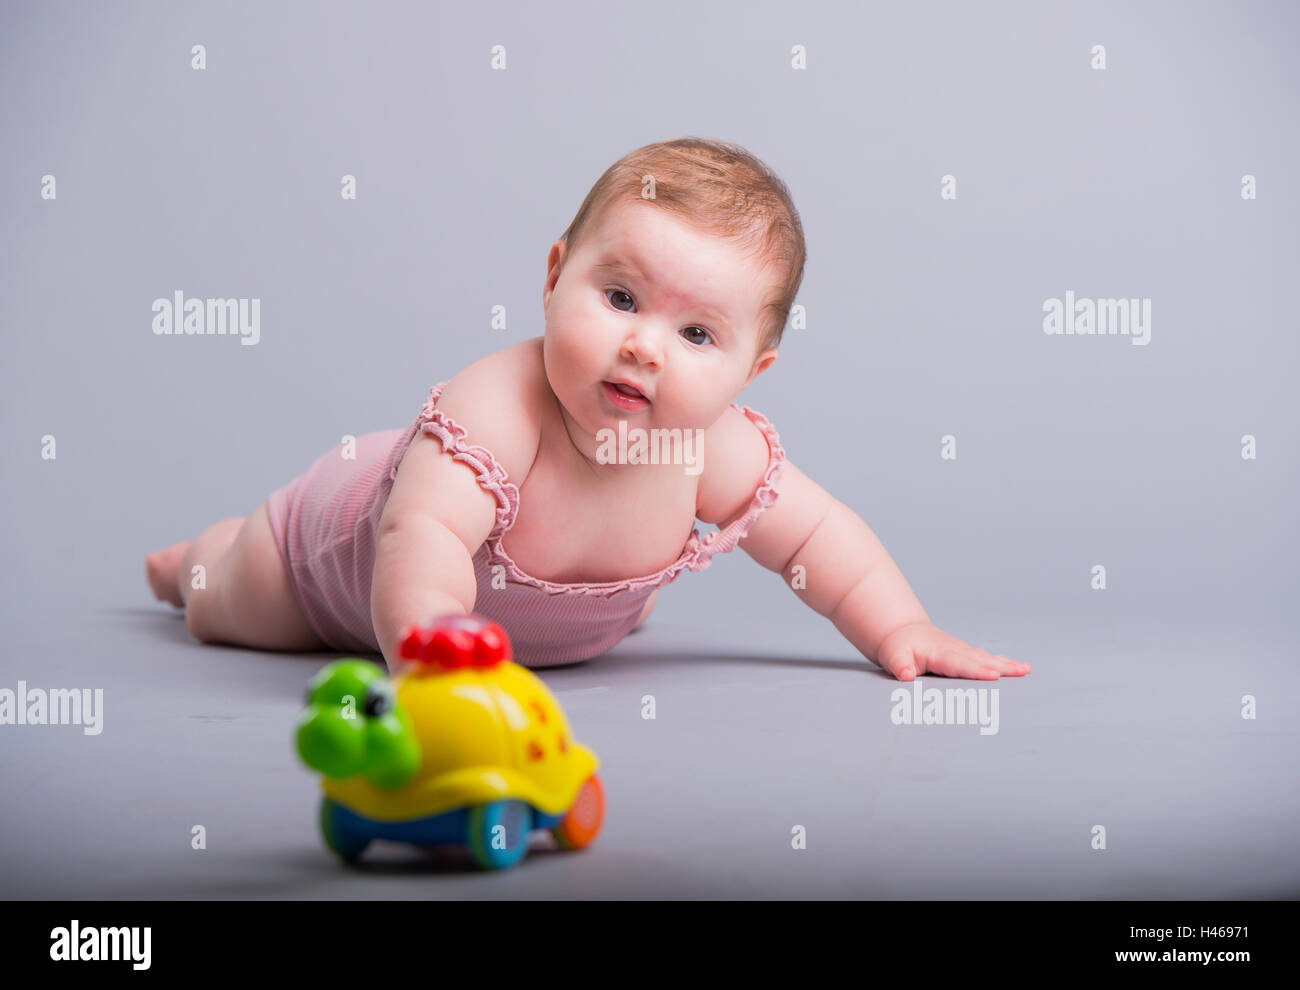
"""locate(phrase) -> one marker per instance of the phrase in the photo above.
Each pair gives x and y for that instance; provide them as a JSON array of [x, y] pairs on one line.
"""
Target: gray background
[[924, 319]]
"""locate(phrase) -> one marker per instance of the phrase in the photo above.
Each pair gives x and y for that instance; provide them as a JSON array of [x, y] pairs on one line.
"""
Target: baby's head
[[676, 275]]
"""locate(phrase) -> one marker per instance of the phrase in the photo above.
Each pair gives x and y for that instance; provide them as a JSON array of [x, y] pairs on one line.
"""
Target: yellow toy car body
[[461, 746], [487, 734]]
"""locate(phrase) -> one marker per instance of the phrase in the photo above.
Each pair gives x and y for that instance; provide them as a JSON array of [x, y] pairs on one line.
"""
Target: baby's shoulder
[[499, 401], [735, 456]]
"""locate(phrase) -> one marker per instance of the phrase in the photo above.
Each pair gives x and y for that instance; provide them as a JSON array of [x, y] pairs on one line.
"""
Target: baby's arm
[[423, 561], [438, 514], [837, 566]]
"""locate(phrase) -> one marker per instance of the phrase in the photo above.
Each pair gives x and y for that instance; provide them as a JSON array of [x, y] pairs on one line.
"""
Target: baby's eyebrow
[[618, 266], [627, 268]]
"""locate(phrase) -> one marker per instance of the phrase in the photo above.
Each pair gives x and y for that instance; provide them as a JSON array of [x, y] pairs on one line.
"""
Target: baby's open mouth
[[626, 397]]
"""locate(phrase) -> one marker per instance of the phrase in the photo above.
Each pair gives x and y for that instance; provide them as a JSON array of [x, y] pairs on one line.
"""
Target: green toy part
[[353, 726]]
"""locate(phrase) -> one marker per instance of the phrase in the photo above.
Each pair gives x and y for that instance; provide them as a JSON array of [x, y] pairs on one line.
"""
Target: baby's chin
[[644, 420]]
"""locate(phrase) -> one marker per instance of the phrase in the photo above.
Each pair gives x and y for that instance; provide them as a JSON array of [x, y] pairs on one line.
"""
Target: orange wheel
[[581, 824]]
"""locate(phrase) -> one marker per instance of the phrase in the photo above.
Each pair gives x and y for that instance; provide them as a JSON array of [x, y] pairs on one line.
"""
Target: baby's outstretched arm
[[423, 566], [836, 565], [438, 515]]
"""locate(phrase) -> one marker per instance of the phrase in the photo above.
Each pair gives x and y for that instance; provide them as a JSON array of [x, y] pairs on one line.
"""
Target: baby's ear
[[764, 361], [554, 263]]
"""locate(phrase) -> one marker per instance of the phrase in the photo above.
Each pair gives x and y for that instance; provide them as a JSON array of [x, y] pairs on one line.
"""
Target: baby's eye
[[610, 293], [617, 292]]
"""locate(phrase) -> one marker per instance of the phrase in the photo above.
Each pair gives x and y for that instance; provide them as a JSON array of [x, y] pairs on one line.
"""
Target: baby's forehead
[[626, 255], [745, 276], [743, 288]]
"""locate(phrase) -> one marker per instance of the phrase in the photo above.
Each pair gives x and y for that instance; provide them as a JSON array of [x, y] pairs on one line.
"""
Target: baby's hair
[[722, 189]]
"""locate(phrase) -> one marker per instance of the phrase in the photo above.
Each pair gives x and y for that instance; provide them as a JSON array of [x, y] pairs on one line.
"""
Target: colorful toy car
[[461, 747]]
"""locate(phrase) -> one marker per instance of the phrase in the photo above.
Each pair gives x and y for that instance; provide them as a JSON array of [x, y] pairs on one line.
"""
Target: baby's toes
[[161, 569]]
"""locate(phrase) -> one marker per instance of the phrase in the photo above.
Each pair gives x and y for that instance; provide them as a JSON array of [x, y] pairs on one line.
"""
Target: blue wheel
[[348, 846], [497, 833]]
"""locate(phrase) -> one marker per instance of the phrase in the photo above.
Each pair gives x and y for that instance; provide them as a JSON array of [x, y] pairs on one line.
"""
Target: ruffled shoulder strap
[[725, 540], [491, 475]]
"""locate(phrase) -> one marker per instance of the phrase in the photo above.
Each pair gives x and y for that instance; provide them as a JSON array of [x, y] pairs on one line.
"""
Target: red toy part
[[449, 642]]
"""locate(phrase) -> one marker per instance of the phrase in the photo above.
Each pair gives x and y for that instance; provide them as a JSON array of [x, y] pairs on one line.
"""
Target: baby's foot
[[162, 568]]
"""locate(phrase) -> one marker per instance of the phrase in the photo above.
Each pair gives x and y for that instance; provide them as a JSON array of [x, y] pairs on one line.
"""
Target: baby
[[663, 300]]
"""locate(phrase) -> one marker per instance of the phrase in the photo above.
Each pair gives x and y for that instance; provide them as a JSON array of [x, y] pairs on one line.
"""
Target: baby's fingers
[[1011, 668], [1004, 665], [977, 665], [961, 663]]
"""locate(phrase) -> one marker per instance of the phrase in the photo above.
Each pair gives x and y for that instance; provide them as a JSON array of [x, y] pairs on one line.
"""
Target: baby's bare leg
[[163, 567], [247, 599], [204, 550]]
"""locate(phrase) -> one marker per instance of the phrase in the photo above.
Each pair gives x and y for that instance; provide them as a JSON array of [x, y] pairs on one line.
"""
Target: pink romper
[[325, 524]]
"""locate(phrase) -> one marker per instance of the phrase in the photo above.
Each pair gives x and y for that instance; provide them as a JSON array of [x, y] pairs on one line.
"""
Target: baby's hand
[[921, 648]]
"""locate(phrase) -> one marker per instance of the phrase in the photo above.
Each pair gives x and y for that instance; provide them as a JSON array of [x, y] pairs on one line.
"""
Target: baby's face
[[654, 301]]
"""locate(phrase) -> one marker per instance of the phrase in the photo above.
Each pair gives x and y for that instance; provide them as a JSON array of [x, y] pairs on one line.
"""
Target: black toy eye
[[379, 699]]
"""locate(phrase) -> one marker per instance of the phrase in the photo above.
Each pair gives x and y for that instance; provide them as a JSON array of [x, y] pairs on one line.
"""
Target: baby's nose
[[642, 345]]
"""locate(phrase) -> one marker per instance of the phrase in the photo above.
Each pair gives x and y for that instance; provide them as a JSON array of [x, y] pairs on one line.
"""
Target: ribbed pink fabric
[[325, 524]]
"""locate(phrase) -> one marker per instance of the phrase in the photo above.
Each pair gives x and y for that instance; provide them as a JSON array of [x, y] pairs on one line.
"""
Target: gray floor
[[775, 727]]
